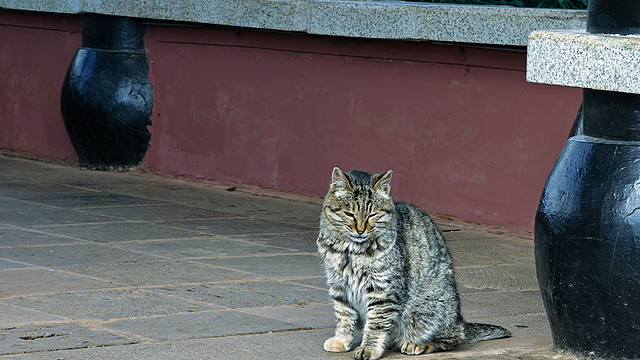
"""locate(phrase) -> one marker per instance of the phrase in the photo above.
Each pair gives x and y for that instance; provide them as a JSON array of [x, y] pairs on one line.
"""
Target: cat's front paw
[[367, 353], [336, 345]]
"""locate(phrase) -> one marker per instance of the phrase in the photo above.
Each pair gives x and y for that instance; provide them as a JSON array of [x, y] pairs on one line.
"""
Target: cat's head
[[358, 205]]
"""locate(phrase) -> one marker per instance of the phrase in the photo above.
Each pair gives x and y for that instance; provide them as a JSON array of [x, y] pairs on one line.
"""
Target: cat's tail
[[475, 332]]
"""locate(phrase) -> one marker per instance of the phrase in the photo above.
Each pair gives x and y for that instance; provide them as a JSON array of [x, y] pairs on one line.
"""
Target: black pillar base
[[107, 98], [587, 232]]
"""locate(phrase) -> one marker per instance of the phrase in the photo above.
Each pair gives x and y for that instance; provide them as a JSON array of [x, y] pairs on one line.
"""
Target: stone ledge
[[400, 20], [580, 59]]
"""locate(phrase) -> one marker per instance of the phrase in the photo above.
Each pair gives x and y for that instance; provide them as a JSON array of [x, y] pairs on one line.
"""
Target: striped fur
[[389, 270]]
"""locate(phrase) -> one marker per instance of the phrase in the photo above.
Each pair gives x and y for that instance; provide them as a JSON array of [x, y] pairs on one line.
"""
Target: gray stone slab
[[123, 183], [281, 267], [207, 247], [520, 277], [12, 316], [48, 216], [159, 212], [301, 241], [6, 264], [88, 199], [455, 234], [303, 344], [527, 330], [54, 6], [580, 59], [249, 294], [309, 316], [302, 213], [201, 196], [269, 285], [28, 189], [198, 325], [30, 338], [237, 226], [163, 272], [74, 255], [119, 231], [531, 340], [16, 237], [467, 254], [501, 304], [108, 304], [501, 25], [288, 345], [27, 281], [319, 282], [18, 168], [8, 204], [437, 22]]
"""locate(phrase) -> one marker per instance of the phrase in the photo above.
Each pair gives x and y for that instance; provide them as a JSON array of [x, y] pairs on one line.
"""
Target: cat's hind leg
[[426, 348], [417, 349]]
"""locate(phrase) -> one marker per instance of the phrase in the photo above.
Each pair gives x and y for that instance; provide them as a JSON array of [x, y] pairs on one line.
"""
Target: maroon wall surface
[[35, 52], [462, 130]]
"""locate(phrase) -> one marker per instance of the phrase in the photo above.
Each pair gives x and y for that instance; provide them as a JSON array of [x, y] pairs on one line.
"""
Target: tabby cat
[[389, 270]]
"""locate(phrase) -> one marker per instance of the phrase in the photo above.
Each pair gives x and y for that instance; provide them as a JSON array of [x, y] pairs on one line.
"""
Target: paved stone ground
[[97, 265]]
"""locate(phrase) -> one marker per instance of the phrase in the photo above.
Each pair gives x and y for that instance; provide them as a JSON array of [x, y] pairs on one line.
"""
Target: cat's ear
[[339, 180], [382, 182]]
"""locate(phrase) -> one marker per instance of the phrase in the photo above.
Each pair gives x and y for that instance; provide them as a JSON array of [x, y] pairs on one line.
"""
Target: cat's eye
[[349, 214]]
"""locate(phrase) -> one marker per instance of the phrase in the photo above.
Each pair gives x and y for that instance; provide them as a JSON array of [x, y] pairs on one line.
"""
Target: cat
[[389, 270]]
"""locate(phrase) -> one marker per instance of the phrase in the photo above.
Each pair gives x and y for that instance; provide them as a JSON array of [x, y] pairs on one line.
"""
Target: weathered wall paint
[[463, 131]]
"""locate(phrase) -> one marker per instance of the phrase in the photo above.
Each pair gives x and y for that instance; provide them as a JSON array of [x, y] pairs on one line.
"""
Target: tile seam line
[[286, 306], [159, 204], [488, 266], [291, 253], [109, 321], [152, 288], [84, 210], [471, 294], [160, 341], [247, 234], [76, 209], [84, 242], [99, 322], [35, 227], [62, 271], [79, 322], [65, 318]]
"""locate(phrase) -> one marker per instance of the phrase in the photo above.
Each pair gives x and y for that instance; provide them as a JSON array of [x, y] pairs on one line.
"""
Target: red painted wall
[[463, 131], [35, 52]]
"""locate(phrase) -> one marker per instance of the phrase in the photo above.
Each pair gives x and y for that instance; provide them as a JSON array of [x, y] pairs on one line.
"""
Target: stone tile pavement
[[97, 265]]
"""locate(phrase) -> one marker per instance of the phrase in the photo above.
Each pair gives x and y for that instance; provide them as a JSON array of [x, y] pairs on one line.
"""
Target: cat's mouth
[[360, 237]]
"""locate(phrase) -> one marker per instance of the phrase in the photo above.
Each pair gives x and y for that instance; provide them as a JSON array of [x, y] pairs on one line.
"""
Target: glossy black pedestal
[[587, 233], [107, 98]]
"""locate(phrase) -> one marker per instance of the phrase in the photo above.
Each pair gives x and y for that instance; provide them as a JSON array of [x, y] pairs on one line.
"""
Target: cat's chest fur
[[359, 276], [356, 280]]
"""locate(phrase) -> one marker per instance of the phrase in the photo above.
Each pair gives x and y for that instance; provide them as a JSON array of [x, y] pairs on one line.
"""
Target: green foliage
[[558, 4]]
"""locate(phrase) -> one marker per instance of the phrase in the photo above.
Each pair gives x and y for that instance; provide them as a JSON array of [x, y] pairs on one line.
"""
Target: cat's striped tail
[[475, 332]]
